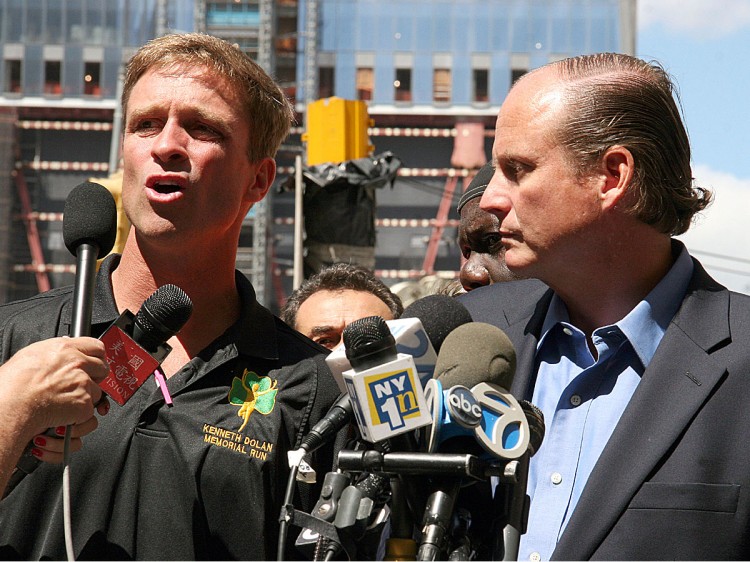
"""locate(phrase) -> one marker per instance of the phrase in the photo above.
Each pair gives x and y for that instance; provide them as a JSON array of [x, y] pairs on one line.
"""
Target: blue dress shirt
[[583, 395]]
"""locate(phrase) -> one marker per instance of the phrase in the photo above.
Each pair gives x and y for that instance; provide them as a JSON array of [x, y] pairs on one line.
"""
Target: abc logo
[[463, 407]]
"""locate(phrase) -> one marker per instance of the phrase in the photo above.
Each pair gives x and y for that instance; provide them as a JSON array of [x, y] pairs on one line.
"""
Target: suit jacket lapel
[[525, 337], [676, 383]]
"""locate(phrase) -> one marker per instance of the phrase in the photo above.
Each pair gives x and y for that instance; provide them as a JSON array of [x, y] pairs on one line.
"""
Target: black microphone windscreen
[[161, 316], [440, 315], [535, 417], [368, 342], [90, 217], [364, 331], [473, 353]]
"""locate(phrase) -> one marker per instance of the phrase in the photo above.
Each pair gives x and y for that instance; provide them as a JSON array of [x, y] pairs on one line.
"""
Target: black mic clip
[[319, 530]]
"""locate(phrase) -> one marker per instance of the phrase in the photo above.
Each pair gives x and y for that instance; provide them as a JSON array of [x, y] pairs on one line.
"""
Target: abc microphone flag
[[468, 396]]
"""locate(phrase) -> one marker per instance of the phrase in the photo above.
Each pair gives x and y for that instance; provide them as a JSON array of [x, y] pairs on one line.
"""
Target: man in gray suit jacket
[[638, 359]]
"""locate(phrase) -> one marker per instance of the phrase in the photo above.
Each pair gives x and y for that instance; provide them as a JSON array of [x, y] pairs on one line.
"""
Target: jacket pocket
[[687, 496]]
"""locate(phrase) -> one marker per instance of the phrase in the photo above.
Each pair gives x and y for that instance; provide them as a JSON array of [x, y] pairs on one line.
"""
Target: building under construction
[[430, 74]]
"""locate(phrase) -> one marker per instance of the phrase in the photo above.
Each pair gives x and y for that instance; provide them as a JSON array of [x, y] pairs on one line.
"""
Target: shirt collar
[[645, 325], [256, 327], [104, 309], [254, 333]]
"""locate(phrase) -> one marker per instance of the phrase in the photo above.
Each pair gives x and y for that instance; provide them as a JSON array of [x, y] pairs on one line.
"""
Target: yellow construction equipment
[[337, 131]]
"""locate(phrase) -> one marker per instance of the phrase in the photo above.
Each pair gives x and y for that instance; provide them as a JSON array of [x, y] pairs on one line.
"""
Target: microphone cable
[[284, 521]]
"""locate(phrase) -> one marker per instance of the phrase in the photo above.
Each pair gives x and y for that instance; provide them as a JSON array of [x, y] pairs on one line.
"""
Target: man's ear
[[618, 170], [265, 172]]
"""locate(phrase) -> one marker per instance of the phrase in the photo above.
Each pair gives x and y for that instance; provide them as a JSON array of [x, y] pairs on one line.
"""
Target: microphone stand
[[401, 544], [518, 511], [449, 471], [438, 515], [512, 505]]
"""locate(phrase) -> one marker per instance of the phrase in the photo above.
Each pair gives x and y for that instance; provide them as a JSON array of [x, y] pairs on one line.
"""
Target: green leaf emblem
[[251, 393]]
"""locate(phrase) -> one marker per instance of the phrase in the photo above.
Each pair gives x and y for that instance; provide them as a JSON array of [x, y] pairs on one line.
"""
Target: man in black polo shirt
[[205, 477]]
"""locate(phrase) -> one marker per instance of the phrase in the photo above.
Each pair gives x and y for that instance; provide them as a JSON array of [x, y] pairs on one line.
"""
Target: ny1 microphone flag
[[411, 339], [388, 399]]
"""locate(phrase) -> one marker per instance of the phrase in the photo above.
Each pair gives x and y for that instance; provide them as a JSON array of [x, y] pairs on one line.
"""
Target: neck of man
[[614, 277], [206, 277]]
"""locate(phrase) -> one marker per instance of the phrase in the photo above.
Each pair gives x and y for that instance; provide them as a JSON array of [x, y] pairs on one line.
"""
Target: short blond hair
[[269, 111]]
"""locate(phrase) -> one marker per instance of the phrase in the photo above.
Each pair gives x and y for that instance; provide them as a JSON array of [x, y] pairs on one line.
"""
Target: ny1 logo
[[392, 398]]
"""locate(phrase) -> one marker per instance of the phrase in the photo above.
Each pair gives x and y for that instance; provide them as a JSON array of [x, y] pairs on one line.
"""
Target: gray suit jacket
[[673, 482]]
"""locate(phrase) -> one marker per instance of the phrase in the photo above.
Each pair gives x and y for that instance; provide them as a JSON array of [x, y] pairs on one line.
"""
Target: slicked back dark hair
[[340, 277], [613, 99]]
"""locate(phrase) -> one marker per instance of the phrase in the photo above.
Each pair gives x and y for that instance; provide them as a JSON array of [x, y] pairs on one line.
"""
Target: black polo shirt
[[203, 479]]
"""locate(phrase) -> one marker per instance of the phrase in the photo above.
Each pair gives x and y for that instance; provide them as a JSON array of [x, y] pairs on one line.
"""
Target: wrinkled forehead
[[202, 75], [210, 77]]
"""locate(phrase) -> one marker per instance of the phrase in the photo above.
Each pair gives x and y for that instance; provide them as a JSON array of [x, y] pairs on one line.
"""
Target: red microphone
[[136, 345]]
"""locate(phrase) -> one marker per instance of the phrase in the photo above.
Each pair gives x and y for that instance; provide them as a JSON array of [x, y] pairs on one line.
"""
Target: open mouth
[[165, 187]]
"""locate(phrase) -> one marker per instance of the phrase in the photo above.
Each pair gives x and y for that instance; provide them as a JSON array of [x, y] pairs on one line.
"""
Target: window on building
[[365, 83], [481, 79], [232, 14], [287, 80], [441, 85], [52, 72], [248, 45], [91, 79], [516, 73], [325, 82], [402, 84], [13, 76], [54, 23]]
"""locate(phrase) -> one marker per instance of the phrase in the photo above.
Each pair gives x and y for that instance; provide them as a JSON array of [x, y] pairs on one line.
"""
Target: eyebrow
[[197, 112], [320, 330]]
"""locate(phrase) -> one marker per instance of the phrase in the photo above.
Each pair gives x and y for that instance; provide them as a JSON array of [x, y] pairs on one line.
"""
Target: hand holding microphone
[[59, 378], [52, 383]]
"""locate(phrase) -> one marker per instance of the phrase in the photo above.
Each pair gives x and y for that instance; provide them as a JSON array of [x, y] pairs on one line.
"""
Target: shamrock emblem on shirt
[[251, 393]]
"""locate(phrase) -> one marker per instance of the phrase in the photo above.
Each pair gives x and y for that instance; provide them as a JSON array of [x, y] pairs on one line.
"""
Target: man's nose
[[170, 143], [473, 275], [495, 198]]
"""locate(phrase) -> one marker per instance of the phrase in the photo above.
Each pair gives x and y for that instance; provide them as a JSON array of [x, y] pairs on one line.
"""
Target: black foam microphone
[[89, 231], [161, 316], [440, 315]]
